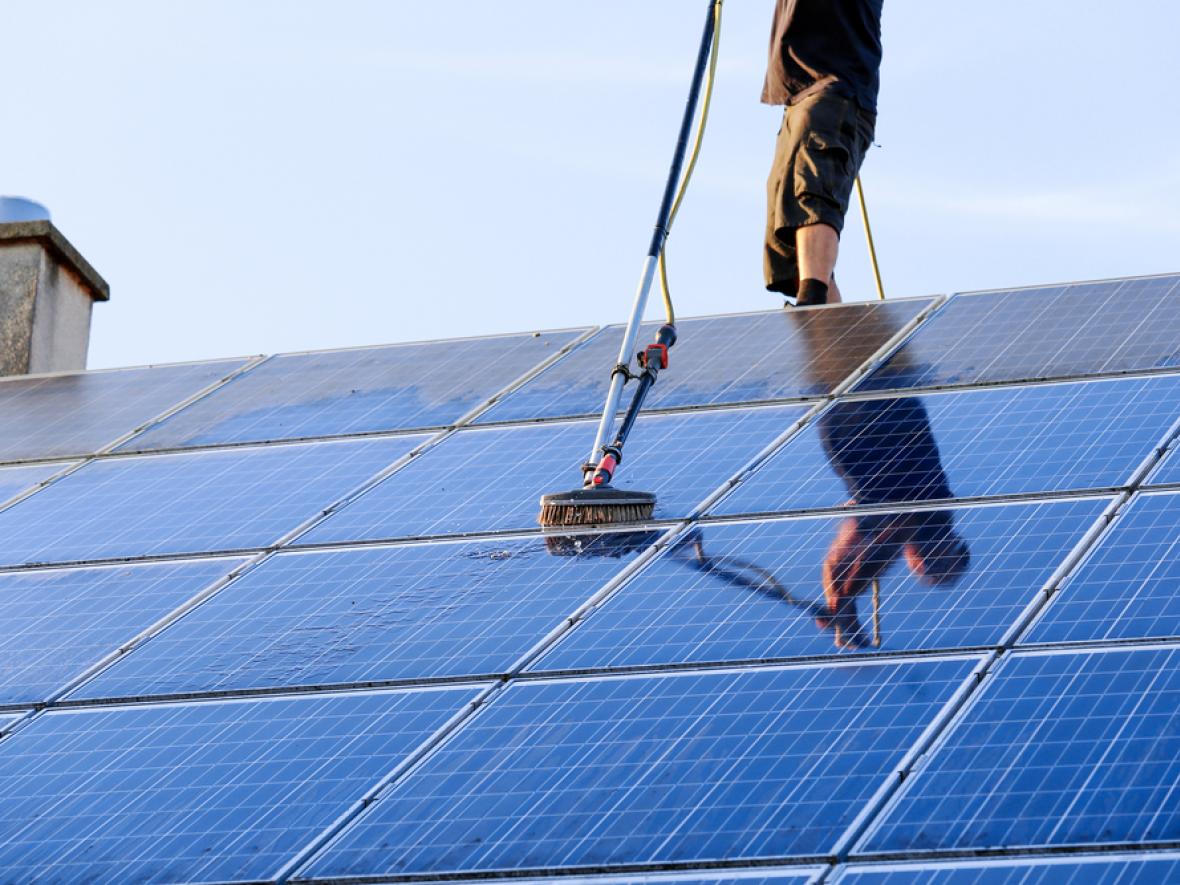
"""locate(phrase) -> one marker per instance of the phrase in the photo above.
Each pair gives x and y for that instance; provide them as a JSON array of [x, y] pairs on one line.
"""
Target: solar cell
[[802, 587], [1129, 586], [188, 503], [1121, 869], [1060, 749], [491, 479], [375, 613], [58, 622], [363, 390], [669, 768], [78, 414], [224, 791], [1047, 332], [717, 360], [1047, 438], [15, 480]]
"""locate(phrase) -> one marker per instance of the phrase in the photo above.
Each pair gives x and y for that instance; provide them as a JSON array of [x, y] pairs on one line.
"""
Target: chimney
[[46, 292]]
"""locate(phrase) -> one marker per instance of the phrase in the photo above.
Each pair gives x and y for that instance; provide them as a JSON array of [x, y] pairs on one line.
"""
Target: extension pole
[[659, 237]]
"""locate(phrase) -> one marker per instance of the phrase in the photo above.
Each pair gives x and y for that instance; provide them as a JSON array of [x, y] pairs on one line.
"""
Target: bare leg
[[818, 245]]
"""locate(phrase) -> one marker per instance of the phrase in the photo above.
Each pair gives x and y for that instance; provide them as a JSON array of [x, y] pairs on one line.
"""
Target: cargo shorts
[[821, 145]]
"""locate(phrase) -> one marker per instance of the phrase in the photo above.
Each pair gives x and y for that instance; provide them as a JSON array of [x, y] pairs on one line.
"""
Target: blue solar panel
[[1121, 869], [492, 479], [717, 360], [376, 613], [188, 503], [686, 767], [1058, 750], [1048, 332], [224, 791], [1050, 438], [1129, 587], [363, 390], [57, 622], [802, 587], [78, 414], [15, 480]]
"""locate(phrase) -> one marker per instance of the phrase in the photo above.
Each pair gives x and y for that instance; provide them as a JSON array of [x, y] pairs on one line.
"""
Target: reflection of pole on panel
[[876, 613]]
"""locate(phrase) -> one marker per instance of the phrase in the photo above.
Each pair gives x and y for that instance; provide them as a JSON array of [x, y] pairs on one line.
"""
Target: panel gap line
[[912, 759], [271, 691], [395, 775], [528, 676], [915, 506], [1032, 852], [772, 663], [1094, 645], [689, 409], [1031, 381], [799, 862]]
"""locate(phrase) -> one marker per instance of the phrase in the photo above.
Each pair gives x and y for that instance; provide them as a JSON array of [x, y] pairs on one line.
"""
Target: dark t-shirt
[[825, 44]]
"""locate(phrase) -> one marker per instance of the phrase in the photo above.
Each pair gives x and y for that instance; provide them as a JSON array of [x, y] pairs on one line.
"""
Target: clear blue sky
[[258, 176]]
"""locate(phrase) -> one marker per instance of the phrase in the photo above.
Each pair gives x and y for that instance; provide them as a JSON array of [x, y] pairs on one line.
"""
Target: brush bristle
[[594, 514]]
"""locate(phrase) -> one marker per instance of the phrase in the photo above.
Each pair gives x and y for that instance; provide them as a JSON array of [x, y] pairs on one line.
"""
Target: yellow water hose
[[698, 140]]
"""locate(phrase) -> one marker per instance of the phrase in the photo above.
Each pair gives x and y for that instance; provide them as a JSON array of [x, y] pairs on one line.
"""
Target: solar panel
[[188, 503], [1048, 438], [58, 622], [491, 479], [58, 416], [1048, 332], [363, 390], [803, 587], [1120, 869], [1059, 749], [15, 480], [671, 768], [225, 791], [1128, 587], [362, 615], [718, 360]]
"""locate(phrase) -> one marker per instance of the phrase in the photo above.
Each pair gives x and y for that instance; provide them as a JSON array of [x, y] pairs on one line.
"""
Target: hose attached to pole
[[698, 140]]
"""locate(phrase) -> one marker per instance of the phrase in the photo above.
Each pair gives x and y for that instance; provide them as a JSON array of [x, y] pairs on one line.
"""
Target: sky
[[256, 176]]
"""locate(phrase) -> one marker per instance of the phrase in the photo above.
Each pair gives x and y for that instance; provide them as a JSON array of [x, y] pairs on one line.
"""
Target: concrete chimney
[[47, 290]]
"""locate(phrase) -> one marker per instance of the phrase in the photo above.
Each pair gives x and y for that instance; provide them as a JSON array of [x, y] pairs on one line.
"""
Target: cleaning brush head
[[595, 506]]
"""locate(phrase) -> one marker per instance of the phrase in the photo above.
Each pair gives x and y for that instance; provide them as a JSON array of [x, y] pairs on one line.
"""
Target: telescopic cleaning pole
[[659, 237]]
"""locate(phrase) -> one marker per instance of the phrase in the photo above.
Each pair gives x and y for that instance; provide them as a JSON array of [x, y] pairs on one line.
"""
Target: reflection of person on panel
[[885, 452]]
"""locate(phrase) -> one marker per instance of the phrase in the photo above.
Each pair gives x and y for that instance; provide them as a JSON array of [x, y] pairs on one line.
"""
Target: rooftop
[[290, 618]]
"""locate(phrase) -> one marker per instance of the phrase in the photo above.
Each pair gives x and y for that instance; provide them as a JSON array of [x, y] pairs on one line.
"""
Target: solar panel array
[[906, 610]]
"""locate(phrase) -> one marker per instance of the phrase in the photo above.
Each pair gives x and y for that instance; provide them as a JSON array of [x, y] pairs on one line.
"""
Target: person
[[825, 59]]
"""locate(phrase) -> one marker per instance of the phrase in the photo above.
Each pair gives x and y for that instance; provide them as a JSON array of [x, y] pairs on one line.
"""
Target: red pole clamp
[[606, 469], [660, 352]]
